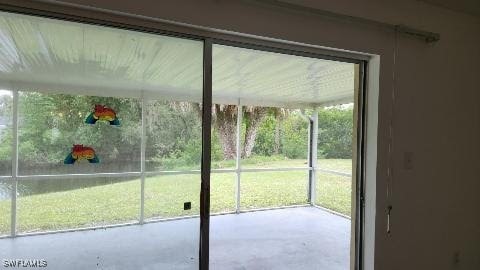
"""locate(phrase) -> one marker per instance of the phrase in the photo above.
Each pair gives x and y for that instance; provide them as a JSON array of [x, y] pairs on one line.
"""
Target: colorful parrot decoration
[[103, 113], [80, 152]]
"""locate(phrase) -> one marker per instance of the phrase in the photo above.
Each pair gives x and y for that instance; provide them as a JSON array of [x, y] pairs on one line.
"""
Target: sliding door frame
[[206, 156], [209, 37]]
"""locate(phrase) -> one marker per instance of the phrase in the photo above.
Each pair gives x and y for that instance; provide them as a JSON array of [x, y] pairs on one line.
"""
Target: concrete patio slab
[[291, 238]]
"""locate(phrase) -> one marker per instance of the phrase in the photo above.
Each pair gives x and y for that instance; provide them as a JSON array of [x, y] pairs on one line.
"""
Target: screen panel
[[5, 206], [334, 192], [6, 136], [166, 196], [173, 135], [273, 189], [53, 127], [57, 204], [275, 138], [222, 192]]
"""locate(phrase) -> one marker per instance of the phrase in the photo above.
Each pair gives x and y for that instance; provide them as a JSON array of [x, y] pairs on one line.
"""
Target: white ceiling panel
[[41, 54], [253, 76]]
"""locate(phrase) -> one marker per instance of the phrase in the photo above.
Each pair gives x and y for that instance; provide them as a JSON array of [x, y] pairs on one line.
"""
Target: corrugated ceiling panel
[[258, 76], [40, 54]]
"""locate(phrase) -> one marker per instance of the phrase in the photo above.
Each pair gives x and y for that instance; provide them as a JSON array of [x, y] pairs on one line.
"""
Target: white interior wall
[[435, 115]]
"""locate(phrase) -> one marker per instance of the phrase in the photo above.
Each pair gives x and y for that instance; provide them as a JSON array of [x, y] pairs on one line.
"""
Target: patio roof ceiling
[[41, 54]]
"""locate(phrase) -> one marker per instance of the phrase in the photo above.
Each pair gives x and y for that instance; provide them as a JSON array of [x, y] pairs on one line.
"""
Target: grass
[[165, 195], [334, 192]]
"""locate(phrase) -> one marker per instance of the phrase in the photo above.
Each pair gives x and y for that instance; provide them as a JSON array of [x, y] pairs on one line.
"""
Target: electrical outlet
[[187, 205]]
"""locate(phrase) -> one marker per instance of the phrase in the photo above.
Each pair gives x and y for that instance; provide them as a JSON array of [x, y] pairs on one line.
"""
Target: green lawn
[[165, 195]]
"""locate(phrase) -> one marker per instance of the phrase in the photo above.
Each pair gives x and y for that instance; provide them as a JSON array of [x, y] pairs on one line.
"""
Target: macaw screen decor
[[80, 152], [103, 113]]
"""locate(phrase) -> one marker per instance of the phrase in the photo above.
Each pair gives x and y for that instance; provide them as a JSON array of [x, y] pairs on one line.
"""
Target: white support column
[[142, 163], [310, 160], [239, 157], [313, 187], [13, 223]]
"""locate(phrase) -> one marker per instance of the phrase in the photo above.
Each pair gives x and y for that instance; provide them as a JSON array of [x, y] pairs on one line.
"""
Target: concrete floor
[[293, 238]]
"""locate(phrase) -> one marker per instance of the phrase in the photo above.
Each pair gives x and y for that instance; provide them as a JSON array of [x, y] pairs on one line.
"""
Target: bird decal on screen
[[80, 152], [103, 113]]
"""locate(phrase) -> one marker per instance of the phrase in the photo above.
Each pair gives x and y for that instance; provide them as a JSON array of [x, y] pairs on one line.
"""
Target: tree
[[280, 115], [335, 131], [253, 118], [172, 128], [295, 136], [5, 133], [225, 121]]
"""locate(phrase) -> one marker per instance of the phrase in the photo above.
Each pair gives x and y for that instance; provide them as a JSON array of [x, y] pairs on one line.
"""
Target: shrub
[[265, 141], [335, 127], [295, 139]]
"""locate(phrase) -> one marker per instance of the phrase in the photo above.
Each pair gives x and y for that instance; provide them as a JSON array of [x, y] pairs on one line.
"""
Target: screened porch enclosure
[[101, 127]]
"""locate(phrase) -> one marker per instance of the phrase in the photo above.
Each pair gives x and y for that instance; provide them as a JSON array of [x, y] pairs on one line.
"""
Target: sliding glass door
[[266, 133], [99, 127], [108, 128]]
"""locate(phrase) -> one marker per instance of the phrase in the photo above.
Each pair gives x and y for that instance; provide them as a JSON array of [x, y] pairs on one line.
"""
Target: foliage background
[[50, 124]]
